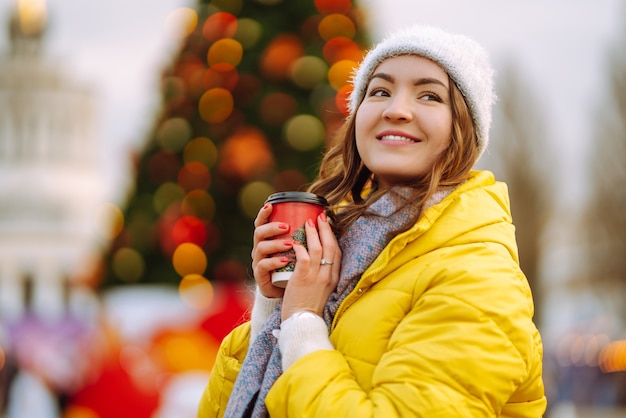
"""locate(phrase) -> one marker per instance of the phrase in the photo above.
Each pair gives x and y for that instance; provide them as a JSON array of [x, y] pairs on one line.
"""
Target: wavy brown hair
[[351, 188]]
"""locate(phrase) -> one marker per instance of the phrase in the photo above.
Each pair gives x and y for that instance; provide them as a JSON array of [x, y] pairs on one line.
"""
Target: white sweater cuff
[[300, 334], [261, 311]]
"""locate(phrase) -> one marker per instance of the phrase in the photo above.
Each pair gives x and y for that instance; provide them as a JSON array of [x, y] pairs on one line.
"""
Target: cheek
[[366, 116], [359, 128], [444, 128]]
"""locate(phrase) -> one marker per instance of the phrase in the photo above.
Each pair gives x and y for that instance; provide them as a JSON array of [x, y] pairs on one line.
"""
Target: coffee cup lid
[[302, 197]]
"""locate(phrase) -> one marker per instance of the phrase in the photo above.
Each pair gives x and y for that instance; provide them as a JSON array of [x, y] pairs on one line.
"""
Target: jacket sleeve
[[227, 364], [461, 349]]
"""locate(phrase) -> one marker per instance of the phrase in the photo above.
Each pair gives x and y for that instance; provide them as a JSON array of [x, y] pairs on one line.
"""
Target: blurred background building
[[138, 139], [50, 182]]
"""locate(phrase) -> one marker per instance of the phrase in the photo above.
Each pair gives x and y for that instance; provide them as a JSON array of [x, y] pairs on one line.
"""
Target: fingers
[[268, 254], [264, 231], [322, 242], [331, 250], [263, 275], [264, 215], [313, 282]]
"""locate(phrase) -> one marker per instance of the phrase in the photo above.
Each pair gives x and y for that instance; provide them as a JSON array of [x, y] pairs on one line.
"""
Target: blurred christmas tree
[[248, 106]]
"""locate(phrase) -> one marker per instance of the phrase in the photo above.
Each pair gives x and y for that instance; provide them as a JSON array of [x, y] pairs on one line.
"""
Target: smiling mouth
[[396, 138]]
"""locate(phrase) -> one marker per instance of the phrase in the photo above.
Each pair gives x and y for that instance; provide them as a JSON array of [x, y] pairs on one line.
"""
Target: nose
[[398, 108]]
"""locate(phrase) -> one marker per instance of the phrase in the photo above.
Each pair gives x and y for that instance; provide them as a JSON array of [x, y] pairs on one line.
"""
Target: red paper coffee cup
[[293, 208]]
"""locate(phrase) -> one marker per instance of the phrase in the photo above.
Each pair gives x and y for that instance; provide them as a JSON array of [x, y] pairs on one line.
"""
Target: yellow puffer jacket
[[440, 325]]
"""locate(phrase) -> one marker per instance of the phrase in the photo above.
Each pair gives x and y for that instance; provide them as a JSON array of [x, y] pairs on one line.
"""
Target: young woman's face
[[405, 120]]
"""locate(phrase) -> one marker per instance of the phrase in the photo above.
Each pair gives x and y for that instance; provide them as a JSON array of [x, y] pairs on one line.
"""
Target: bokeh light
[[341, 48], [181, 22], [309, 71], [304, 132], [200, 149], [194, 175], [165, 195], [613, 357], [279, 55], [173, 134], [216, 105], [190, 70], [225, 54], [340, 73], [252, 196], [196, 291], [341, 98], [189, 229], [219, 25], [249, 33], [185, 350], [245, 154], [336, 24], [128, 264], [224, 75], [200, 204], [333, 6], [188, 258]]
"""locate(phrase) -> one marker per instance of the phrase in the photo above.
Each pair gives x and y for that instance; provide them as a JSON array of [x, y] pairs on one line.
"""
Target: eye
[[429, 96], [378, 92]]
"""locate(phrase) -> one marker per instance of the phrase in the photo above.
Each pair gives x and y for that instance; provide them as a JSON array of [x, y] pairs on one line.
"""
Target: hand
[[266, 251], [312, 282]]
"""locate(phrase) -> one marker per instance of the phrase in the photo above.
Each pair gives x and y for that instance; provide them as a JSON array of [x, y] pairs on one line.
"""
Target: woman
[[411, 301]]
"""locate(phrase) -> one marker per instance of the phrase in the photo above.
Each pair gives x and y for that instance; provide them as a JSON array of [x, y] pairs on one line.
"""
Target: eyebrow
[[419, 82]]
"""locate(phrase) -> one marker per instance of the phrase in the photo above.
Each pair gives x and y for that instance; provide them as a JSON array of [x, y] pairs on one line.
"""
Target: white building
[[51, 183]]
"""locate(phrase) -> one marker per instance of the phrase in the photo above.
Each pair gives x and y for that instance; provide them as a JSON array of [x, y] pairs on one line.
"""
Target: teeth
[[396, 138]]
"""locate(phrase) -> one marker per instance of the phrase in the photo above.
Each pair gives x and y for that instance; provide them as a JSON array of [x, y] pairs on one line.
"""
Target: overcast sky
[[119, 46]]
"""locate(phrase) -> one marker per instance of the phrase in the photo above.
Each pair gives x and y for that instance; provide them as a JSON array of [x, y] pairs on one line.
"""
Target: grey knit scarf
[[360, 246]]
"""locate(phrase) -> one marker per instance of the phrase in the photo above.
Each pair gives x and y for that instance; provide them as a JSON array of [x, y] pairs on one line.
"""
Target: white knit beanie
[[465, 61]]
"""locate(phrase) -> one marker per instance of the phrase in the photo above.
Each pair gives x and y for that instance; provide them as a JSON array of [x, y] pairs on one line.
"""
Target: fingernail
[[267, 205], [309, 222], [284, 259], [283, 226], [288, 243], [323, 217]]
